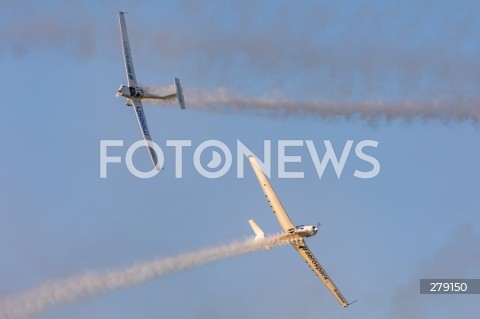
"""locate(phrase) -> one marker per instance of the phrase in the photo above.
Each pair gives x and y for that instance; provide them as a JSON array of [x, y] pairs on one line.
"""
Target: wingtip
[[253, 161], [348, 304]]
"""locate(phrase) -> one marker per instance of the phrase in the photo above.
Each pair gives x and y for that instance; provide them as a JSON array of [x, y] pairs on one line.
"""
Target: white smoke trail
[[227, 100], [69, 290]]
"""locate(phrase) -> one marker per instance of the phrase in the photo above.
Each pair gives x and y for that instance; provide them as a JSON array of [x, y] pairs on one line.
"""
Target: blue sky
[[61, 65]]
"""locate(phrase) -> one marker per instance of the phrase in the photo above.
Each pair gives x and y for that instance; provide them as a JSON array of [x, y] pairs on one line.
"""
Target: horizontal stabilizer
[[180, 98]]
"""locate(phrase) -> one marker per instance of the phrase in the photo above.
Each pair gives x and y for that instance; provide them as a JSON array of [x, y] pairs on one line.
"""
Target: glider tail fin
[[257, 230], [260, 234]]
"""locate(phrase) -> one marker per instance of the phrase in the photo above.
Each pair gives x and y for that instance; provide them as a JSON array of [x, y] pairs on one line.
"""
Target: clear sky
[[418, 218]]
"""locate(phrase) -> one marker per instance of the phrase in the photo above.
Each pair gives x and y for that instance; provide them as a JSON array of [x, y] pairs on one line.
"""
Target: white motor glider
[[134, 93], [297, 234]]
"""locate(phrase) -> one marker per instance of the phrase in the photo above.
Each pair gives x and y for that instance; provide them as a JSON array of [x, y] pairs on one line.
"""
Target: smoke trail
[[226, 100], [39, 299]]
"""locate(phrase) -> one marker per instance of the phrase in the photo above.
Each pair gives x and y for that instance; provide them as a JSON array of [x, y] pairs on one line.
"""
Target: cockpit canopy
[[306, 231], [130, 91]]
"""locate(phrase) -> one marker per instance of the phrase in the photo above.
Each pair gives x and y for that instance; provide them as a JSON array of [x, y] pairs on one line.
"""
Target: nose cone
[[123, 91]]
